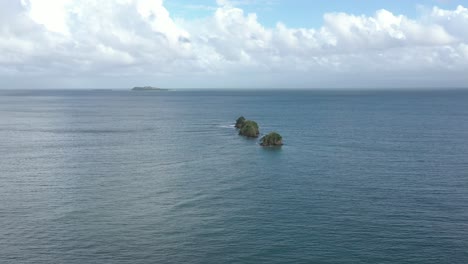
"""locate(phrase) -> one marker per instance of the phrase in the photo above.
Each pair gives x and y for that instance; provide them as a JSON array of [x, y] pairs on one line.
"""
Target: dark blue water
[[162, 177]]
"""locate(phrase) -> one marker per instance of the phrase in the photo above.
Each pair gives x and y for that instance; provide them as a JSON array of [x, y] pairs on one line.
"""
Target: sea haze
[[163, 177]]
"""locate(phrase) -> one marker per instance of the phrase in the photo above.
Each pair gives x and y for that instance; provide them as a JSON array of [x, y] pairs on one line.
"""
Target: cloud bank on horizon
[[123, 43]]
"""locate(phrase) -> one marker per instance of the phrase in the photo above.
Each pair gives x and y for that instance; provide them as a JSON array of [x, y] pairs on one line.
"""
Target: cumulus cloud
[[116, 43]]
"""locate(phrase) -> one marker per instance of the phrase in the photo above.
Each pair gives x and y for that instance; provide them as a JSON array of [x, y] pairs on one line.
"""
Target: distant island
[[148, 88]]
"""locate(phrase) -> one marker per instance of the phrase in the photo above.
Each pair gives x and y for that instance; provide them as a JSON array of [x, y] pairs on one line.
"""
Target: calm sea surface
[[163, 177]]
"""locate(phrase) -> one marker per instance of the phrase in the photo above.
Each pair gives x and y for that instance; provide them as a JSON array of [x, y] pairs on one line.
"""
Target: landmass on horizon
[[148, 88]]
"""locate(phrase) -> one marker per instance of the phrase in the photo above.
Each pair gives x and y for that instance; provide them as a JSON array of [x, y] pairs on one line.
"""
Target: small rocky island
[[271, 140], [249, 128], [147, 88]]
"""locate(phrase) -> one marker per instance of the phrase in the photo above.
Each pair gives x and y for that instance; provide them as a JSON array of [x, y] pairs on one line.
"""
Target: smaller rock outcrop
[[271, 140], [240, 121]]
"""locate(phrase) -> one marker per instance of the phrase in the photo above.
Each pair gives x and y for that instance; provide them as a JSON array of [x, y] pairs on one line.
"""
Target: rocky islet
[[249, 128]]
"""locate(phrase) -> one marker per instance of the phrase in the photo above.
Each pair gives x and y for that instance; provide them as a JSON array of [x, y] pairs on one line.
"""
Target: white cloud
[[51, 14], [138, 40]]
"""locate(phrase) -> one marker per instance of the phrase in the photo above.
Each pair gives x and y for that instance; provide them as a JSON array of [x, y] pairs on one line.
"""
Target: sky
[[245, 44]]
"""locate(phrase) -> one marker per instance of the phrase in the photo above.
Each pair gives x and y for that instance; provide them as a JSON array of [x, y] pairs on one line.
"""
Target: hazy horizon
[[253, 89]]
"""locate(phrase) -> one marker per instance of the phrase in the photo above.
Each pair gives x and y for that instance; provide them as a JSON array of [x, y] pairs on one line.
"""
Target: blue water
[[163, 177]]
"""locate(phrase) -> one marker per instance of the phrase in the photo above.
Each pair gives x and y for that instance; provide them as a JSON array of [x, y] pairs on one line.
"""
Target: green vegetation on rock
[[272, 139], [240, 121], [249, 129]]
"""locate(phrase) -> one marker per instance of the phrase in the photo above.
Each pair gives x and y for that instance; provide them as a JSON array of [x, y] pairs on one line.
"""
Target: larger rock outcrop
[[250, 129]]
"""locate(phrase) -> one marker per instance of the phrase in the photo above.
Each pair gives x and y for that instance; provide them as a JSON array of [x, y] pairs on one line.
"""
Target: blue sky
[[219, 44], [308, 13]]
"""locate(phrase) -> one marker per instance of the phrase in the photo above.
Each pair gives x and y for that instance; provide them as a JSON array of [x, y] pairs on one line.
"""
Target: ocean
[[163, 177]]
